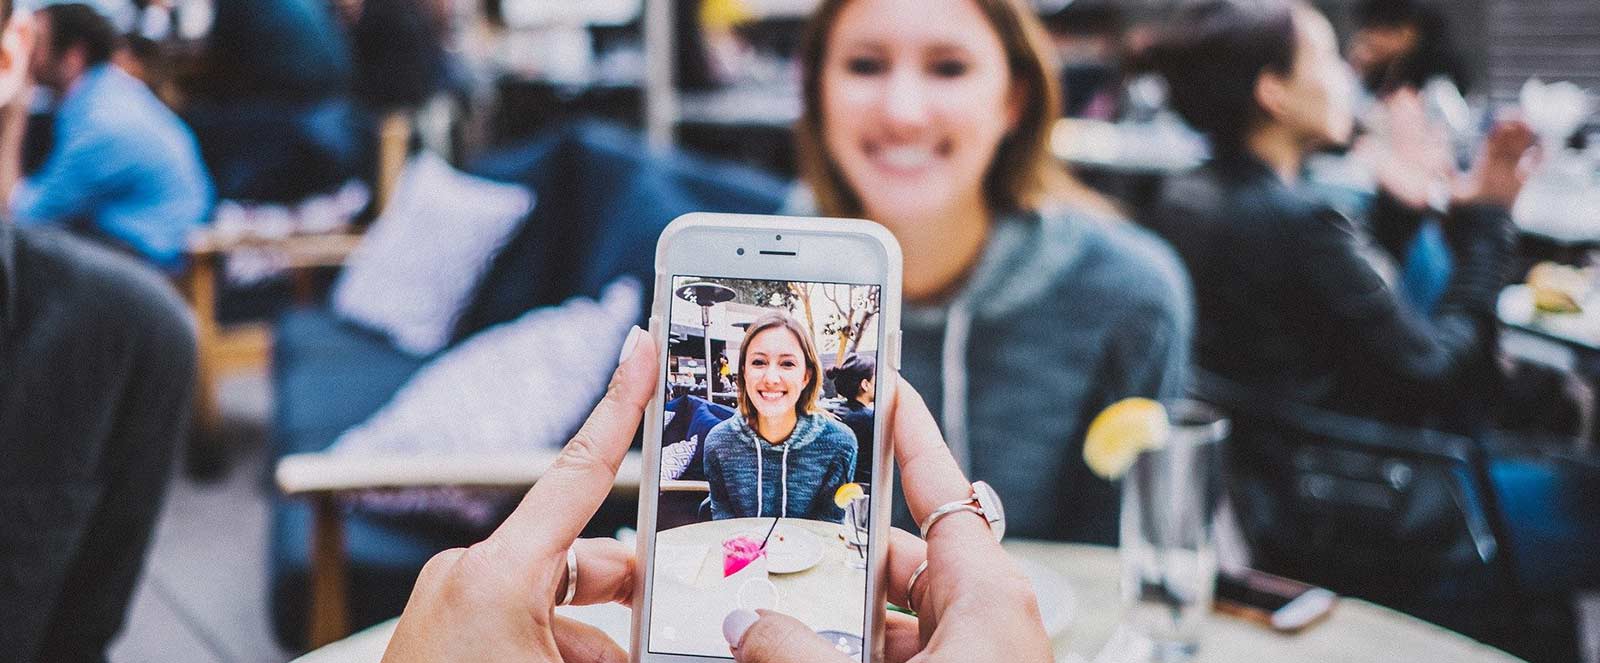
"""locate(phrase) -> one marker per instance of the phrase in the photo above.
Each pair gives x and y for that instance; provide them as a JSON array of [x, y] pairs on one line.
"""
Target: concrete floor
[[203, 597]]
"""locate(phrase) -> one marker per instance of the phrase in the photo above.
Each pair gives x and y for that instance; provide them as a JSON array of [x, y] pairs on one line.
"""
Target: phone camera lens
[[780, 238], [739, 251]]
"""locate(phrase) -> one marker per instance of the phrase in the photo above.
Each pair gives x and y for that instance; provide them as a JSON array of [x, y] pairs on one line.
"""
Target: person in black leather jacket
[[1289, 301]]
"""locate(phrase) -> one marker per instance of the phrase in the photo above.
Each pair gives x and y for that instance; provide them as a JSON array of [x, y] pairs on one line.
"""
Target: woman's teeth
[[906, 157]]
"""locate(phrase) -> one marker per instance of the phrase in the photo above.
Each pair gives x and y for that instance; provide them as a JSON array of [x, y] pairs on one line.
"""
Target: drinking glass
[[1170, 499], [855, 528]]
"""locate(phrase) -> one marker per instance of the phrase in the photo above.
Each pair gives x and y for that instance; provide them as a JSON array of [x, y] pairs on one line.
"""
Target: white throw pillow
[[524, 384], [422, 258]]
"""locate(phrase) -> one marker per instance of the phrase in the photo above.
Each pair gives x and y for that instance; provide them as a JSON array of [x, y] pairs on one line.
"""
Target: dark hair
[[1433, 55], [1213, 53], [76, 24], [5, 13], [847, 376]]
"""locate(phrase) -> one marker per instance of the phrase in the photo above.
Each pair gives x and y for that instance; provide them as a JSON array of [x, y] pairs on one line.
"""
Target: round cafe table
[[693, 596], [1356, 631]]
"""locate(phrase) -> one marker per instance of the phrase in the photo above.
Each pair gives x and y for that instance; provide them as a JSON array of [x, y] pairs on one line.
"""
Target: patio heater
[[705, 295]]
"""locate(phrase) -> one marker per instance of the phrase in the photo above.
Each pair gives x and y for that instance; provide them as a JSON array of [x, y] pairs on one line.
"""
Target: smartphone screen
[[766, 460]]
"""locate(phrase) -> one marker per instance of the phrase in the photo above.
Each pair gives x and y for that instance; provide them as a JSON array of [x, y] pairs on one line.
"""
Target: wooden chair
[[224, 350], [322, 478]]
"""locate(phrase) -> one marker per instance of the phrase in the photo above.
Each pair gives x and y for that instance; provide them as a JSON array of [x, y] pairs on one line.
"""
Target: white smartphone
[[767, 476]]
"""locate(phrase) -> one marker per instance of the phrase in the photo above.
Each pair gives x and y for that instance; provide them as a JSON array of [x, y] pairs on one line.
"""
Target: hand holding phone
[[973, 602]]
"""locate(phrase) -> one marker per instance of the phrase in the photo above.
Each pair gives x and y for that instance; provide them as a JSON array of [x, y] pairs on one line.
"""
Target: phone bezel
[[825, 250]]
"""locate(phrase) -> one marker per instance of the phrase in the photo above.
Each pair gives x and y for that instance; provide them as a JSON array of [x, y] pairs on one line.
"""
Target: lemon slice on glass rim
[[1121, 432], [847, 492]]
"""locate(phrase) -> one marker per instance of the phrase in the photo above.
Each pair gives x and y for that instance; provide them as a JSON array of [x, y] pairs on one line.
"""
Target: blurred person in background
[[273, 105], [123, 168], [1290, 307], [1405, 44], [853, 379], [1411, 116], [1029, 306], [1287, 301], [398, 50], [97, 365]]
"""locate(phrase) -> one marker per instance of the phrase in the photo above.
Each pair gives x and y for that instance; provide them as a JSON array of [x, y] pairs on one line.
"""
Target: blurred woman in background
[[1030, 307], [1288, 302]]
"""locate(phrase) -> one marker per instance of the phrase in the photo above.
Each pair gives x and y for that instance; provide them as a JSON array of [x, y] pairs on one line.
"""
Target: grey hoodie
[[794, 479], [1064, 314]]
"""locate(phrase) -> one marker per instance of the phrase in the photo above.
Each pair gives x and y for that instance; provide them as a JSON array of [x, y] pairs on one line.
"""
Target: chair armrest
[[322, 472], [680, 486], [307, 251]]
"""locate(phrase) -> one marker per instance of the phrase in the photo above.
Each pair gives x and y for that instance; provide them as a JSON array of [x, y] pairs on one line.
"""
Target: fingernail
[[736, 623], [633, 342]]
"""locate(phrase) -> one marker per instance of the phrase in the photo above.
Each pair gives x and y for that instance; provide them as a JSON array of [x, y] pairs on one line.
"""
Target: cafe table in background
[[1082, 607]]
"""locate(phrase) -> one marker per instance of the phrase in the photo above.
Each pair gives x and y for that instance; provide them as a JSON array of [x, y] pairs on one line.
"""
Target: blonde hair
[[1024, 175], [808, 395]]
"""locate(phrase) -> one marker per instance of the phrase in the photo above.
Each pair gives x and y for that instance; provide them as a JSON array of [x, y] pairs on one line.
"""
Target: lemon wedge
[[847, 492], [1120, 432]]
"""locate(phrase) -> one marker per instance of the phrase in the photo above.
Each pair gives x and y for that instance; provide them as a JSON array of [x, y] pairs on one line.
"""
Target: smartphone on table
[[1276, 602], [767, 477]]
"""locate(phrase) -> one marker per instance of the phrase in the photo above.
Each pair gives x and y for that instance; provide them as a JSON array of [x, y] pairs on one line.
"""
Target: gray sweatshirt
[[795, 479], [1064, 314]]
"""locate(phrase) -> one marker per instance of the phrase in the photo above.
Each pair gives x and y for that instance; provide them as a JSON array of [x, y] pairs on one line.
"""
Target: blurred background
[[314, 118]]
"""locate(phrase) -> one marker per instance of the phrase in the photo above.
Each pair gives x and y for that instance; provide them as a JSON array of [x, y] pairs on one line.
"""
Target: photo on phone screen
[[766, 460]]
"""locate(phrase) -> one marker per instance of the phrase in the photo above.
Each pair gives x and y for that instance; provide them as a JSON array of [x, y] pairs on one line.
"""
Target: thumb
[[773, 637]]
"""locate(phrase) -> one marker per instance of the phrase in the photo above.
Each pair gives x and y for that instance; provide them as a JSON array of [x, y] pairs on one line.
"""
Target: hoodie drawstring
[[953, 375], [760, 491]]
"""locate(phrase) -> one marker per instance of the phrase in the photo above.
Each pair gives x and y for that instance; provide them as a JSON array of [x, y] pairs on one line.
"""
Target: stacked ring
[[572, 578], [984, 501]]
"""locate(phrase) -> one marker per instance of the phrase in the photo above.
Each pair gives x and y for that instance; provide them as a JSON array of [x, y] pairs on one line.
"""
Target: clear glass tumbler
[[1170, 500], [855, 530]]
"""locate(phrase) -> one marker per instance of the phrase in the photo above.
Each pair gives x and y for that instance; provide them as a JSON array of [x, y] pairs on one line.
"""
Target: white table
[[1356, 631], [690, 581]]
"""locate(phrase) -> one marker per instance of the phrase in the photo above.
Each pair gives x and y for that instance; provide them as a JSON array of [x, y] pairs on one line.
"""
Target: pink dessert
[[738, 552]]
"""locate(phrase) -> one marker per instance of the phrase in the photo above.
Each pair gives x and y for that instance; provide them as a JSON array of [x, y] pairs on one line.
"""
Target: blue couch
[[602, 202]]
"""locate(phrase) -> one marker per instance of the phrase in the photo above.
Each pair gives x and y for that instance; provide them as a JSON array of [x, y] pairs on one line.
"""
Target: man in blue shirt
[[124, 168]]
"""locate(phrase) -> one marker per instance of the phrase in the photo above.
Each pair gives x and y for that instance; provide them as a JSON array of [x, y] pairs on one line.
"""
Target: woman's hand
[[973, 603], [1413, 160], [495, 601], [1502, 167]]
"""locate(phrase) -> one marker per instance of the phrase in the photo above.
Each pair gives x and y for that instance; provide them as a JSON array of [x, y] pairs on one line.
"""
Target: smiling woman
[[932, 118], [781, 455]]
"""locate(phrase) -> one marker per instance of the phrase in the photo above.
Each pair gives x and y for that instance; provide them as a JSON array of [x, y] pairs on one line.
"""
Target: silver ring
[[911, 584], [947, 509], [572, 577], [984, 501]]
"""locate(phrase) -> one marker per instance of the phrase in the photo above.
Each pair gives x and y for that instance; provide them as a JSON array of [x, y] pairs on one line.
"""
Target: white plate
[[791, 549], [1058, 604]]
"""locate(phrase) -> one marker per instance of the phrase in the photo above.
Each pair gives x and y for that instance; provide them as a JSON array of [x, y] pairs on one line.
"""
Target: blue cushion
[[603, 200], [693, 417], [329, 376]]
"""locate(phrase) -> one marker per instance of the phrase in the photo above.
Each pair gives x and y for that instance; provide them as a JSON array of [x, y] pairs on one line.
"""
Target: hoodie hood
[[806, 431], [1025, 256]]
